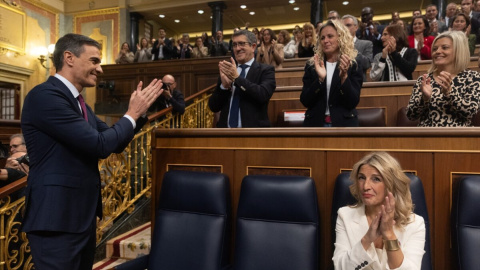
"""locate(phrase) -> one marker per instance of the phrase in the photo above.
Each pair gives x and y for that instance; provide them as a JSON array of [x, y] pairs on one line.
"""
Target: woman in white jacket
[[380, 231], [289, 46]]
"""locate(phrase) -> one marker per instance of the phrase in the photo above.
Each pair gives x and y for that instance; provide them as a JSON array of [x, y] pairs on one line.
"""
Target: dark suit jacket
[[177, 102], [255, 93], [376, 41], [343, 99], [63, 186], [365, 55], [167, 50]]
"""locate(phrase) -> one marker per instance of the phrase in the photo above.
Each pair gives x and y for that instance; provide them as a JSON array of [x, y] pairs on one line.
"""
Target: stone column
[[316, 11], [441, 6], [217, 15], [134, 17]]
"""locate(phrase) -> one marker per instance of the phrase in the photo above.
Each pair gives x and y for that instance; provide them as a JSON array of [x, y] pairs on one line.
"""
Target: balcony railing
[[126, 178]]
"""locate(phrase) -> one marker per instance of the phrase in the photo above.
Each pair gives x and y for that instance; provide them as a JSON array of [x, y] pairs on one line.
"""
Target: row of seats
[[277, 223]]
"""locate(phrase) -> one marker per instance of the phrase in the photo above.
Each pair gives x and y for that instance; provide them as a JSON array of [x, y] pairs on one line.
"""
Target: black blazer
[[342, 100], [255, 93], [63, 185], [167, 50]]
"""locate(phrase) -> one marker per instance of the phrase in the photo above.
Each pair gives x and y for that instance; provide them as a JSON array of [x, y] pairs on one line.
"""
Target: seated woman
[[461, 22], [270, 52], [332, 80], [289, 46], [309, 39], [125, 56], [144, 53], [448, 95], [397, 61], [380, 231], [420, 38]]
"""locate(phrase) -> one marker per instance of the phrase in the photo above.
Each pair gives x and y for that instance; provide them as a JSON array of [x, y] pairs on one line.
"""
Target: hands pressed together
[[382, 224], [390, 47], [228, 72], [444, 79], [141, 99]]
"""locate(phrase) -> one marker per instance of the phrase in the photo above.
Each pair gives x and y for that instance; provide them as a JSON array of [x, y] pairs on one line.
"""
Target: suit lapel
[[253, 72], [60, 85]]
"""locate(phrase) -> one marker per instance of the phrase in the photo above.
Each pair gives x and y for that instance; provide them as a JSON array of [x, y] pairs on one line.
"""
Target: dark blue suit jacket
[[63, 186], [255, 93], [343, 98]]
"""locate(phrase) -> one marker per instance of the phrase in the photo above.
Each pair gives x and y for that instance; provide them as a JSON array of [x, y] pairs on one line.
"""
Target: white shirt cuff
[[134, 124]]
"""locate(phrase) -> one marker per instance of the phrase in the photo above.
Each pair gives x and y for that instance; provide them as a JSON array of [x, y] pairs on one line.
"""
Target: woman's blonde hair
[[345, 42], [460, 50], [314, 36], [394, 179]]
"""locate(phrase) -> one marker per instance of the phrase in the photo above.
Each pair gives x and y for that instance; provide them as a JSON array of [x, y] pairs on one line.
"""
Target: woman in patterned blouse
[[448, 96]]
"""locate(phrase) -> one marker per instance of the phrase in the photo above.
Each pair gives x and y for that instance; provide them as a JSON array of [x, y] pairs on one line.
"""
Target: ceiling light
[[243, 6], [177, 21], [161, 16], [291, 1], [200, 11], [252, 13], [296, 8], [345, 3]]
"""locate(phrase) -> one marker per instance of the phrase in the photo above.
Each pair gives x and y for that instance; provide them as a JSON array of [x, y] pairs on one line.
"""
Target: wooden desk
[[437, 155]]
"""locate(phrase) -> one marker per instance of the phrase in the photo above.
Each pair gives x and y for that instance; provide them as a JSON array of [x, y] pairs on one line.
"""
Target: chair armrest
[[140, 263]]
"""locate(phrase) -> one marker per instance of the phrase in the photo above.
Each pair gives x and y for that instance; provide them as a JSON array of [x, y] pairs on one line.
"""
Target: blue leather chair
[[343, 197], [277, 224], [192, 227], [466, 222]]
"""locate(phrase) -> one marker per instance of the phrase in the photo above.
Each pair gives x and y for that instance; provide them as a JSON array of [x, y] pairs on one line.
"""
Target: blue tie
[[234, 109]]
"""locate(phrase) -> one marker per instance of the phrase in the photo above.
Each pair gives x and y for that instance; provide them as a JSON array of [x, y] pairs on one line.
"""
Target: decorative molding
[[95, 12], [43, 6], [14, 69]]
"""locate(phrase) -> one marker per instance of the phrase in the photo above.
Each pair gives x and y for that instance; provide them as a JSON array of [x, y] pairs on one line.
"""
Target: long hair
[[466, 17], [314, 36], [286, 36], [345, 42], [397, 31], [426, 31], [394, 179], [460, 50]]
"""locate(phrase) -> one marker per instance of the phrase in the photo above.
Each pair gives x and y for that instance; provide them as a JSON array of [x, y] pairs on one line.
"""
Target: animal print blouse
[[456, 110]]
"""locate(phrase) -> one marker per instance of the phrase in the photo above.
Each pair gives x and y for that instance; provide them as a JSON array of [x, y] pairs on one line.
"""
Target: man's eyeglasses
[[240, 44], [16, 145]]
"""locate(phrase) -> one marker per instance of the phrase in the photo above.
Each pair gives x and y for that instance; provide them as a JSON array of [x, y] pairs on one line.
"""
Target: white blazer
[[349, 253]]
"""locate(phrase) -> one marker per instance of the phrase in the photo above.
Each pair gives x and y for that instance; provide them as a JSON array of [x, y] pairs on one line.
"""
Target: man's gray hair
[[348, 16], [250, 36], [18, 135]]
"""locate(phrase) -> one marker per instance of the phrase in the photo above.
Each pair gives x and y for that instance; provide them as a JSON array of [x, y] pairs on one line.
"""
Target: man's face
[[417, 13], [85, 68], [170, 82], [395, 16], [467, 6], [451, 9], [162, 33], [367, 15], [186, 39], [16, 145], [431, 13], [477, 6], [333, 16], [219, 35], [243, 49], [350, 24]]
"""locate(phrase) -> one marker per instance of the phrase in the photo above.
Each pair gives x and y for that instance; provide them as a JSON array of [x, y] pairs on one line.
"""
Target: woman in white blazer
[[380, 231]]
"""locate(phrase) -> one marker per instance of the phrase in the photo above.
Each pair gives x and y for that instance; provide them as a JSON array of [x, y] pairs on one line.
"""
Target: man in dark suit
[[65, 140], [364, 47], [370, 30], [162, 48], [467, 8], [171, 97], [243, 92]]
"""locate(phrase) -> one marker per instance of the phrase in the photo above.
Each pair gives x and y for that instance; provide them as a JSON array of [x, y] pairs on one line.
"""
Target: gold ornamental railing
[[126, 178]]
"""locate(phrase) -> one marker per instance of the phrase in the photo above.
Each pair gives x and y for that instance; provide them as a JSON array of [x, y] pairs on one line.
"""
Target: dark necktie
[[84, 108], [234, 109]]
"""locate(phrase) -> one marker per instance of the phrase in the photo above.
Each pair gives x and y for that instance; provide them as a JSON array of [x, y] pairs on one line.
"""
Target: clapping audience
[[309, 39], [125, 56], [270, 52], [420, 38], [289, 46], [143, 53], [199, 51]]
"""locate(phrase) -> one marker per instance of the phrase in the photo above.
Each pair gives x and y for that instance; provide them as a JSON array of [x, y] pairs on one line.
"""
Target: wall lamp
[[43, 52]]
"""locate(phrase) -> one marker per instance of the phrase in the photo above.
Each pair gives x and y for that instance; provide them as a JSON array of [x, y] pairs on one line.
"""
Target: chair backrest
[[402, 119], [371, 117], [466, 222], [277, 224], [192, 222], [343, 197]]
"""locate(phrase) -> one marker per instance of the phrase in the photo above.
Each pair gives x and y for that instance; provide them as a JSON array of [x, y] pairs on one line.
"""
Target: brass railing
[[126, 178]]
